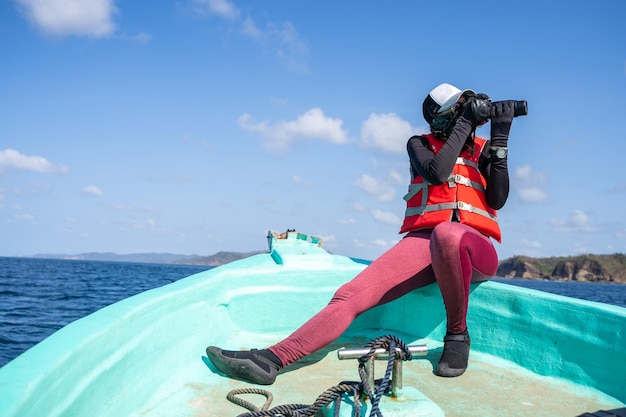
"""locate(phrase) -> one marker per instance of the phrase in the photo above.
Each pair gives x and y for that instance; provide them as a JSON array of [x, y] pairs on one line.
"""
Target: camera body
[[481, 108]]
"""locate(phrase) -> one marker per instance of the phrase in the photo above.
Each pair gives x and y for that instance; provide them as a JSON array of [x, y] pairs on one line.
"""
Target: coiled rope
[[389, 343], [232, 397], [334, 394]]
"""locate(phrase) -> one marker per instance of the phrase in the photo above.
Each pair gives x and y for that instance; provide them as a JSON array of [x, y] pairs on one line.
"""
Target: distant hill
[[582, 268], [220, 258], [217, 259], [159, 258]]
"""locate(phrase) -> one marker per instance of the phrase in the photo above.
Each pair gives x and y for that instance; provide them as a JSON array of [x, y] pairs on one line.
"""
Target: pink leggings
[[452, 254]]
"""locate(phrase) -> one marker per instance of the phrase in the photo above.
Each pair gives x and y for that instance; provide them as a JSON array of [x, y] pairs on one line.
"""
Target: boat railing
[[382, 354], [292, 234]]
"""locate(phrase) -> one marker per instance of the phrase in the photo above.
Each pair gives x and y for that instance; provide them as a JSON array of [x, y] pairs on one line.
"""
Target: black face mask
[[442, 125], [441, 122]]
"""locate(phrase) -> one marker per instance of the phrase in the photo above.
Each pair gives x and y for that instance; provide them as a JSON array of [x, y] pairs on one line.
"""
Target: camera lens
[[521, 108]]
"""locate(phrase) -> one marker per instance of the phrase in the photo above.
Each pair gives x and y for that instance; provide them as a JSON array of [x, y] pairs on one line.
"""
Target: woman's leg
[[460, 255], [400, 270], [403, 268]]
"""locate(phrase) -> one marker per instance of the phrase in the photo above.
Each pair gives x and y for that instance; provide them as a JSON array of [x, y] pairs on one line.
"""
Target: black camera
[[481, 108]]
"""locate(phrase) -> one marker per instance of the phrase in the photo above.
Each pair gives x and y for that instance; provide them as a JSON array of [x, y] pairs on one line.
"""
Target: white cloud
[[222, 8], [91, 190], [327, 238], [120, 207], [141, 37], [528, 247], [311, 125], [376, 243], [26, 218], [380, 190], [250, 29], [12, 160], [534, 244], [397, 177], [576, 223], [290, 48], [386, 217], [144, 224], [301, 182], [532, 195], [91, 18], [528, 176], [358, 243], [528, 182], [282, 39], [386, 132], [383, 243]]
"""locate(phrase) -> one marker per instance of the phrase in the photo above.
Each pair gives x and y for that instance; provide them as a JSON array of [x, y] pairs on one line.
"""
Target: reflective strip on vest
[[416, 188], [460, 179], [412, 211], [461, 197], [463, 161], [452, 181]]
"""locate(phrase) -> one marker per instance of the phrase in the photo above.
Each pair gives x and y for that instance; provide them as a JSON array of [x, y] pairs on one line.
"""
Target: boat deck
[[490, 387], [143, 357]]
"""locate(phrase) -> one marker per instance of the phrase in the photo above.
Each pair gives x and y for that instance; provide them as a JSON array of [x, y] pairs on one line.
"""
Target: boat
[[533, 353]]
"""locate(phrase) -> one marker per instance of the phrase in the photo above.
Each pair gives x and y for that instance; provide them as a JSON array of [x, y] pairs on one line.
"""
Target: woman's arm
[[496, 169], [496, 172], [436, 168]]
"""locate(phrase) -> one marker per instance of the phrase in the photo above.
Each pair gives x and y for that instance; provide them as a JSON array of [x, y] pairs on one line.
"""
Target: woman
[[459, 181]]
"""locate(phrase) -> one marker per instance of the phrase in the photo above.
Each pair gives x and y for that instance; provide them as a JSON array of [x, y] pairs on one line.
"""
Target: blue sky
[[194, 126]]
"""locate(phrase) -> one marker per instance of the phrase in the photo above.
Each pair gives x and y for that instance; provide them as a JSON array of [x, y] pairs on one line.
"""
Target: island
[[581, 268]]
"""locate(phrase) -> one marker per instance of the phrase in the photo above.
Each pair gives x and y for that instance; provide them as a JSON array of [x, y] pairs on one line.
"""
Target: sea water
[[39, 296]]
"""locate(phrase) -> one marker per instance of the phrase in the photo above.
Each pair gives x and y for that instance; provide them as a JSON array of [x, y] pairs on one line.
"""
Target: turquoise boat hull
[[533, 353]]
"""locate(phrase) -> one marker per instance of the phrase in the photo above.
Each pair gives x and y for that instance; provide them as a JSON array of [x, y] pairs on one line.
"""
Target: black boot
[[255, 366], [456, 349]]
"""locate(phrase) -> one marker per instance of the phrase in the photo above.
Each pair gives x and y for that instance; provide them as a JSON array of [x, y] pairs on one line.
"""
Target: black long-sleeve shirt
[[436, 168]]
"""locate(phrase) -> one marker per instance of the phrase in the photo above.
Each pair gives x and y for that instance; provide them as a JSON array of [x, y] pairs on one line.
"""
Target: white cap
[[446, 96], [440, 99]]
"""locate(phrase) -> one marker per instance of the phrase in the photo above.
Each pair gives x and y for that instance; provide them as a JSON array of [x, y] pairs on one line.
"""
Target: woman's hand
[[468, 112], [501, 118]]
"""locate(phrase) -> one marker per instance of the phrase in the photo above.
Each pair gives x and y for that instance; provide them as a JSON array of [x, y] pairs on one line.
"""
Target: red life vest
[[462, 195]]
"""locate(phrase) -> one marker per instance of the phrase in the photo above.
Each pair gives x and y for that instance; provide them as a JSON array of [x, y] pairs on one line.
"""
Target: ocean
[[39, 296]]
